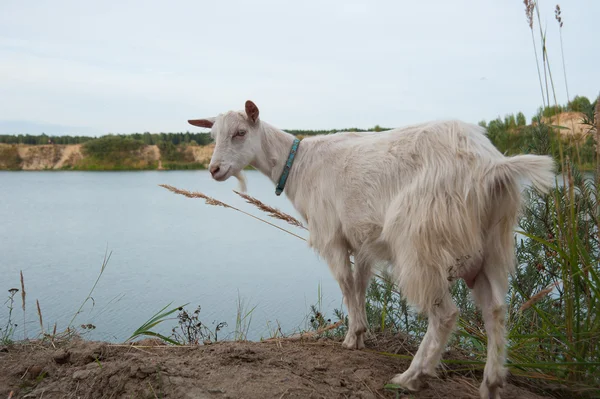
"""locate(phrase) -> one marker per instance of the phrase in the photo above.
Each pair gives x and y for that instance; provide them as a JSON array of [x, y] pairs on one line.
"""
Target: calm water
[[56, 226]]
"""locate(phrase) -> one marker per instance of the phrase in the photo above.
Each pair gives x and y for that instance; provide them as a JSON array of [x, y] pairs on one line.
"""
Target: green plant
[[191, 331], [159, 317], [8, 332], [553, 308], [183, 166], [114, 153], [105, 261], [243, 319]]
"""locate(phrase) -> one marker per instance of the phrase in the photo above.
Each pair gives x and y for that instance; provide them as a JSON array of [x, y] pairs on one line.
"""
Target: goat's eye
[[240, 133]]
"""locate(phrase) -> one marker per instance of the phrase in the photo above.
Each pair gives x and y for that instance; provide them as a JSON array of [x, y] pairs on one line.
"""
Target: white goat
[[437, 201]]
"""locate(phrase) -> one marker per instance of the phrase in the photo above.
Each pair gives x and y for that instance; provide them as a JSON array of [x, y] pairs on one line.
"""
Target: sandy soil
[[151, 153], [70, 156], [202, 154], [274, 369], [41, 157], [572, 122]]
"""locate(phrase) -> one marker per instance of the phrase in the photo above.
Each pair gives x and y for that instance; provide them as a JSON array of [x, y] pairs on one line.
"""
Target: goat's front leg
[[362, 276], [339, 263]]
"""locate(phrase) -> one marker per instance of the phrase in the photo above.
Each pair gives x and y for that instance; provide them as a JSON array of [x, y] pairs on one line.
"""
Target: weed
[[107, 256], [8, 332], [191, 331]]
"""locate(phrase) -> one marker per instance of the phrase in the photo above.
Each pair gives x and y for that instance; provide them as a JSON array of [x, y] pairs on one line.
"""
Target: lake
[[56, 227]]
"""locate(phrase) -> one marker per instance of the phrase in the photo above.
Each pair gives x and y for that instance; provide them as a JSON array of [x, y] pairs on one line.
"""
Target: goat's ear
[[251, 111], [208, 122]]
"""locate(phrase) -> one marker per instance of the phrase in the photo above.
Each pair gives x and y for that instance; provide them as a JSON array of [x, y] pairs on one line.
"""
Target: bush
[[183, 166], [113, 153], [9, 157]]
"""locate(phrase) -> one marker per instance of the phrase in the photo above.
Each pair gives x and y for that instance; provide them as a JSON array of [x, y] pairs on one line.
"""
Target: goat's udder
[[471, 273]]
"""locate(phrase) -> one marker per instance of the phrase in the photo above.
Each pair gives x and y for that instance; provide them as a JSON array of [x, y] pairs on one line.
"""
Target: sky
[[91, 68]]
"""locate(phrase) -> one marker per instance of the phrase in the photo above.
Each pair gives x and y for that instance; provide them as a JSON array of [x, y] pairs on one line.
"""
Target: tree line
[[500, 130], [154, 138], [144, 138]]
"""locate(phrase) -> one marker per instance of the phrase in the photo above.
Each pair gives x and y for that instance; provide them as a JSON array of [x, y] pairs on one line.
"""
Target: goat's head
[[237, 141]]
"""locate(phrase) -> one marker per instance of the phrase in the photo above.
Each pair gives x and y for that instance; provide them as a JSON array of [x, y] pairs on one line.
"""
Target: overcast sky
[[132, 66]]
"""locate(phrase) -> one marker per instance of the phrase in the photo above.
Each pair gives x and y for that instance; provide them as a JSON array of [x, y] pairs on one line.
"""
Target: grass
[[105, 261], [159, 317], [243, 319], [8, 331]]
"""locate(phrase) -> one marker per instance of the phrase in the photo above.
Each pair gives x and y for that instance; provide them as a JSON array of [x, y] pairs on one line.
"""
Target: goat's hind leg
[[425, 285], [442, 318], [490, 294]]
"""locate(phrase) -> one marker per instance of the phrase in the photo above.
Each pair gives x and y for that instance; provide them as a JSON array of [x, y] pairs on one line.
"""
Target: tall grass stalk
[[556, 327], [107, 256], [7, 335], [39, 312], [23, 296], [243, 319]]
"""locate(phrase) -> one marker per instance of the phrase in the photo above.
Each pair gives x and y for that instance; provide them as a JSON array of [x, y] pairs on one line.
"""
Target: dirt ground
[[273, 369]]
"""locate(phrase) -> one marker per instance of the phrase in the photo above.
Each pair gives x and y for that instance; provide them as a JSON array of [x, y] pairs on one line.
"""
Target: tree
[[509, 121], [521, 120], [579, 104]]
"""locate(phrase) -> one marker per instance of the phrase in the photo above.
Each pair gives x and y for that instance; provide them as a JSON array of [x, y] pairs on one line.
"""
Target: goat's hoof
[[411, 381], [489, 393], [493, 382], [354, 341], [489, 390]]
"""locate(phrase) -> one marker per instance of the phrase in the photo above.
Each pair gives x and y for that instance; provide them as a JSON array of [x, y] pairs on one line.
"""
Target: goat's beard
[[241, 180]]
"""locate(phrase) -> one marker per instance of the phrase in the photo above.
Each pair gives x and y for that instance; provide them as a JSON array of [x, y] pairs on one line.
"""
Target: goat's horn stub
[[251, 111], [201, 122]]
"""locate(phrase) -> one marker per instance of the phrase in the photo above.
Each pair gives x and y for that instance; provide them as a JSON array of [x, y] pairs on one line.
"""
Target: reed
[[23, 296], [39, 312]]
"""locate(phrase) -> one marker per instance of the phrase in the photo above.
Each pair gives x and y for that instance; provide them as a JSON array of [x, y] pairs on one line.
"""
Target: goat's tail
[[537, 169]]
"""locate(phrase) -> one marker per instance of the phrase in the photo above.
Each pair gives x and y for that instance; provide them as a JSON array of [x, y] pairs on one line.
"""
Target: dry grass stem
[[195, 194], [309, 334], [213, 201], [597, 117], [40, 315], [536, 298], [273, 212], [23, 296]]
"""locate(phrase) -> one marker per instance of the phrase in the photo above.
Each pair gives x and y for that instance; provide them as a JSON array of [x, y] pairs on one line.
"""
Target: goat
[[436, 201]]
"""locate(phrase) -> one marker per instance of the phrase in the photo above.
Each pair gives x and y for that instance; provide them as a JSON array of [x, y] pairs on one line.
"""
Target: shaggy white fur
[[437, 201]]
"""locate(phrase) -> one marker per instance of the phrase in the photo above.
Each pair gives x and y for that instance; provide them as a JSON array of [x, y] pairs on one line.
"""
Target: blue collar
[[287, 167]]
